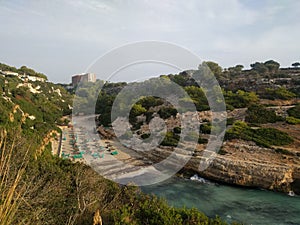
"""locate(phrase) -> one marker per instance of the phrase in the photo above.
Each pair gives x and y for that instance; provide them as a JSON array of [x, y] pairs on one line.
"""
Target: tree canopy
[[269, 66], [296, 64], [215, 68]]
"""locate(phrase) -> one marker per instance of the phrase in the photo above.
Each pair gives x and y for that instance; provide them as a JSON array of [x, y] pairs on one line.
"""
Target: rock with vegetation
[[37, 187], [256, 153]]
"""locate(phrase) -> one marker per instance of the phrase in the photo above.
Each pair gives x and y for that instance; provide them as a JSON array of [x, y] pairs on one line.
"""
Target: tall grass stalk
[[11, 188]]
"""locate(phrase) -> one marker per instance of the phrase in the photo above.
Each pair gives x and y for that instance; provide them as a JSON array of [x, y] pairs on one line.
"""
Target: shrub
[[283, 151], [265, 137], [150, 101], [205, 128], [137, 110], [136, 125], [149, 116], [222, 152], [105, 119], [202, 140], [259, 114], [145, 135], [170, 139], [279, 93], [240, 99], [154, 211], [177, 130], [198, 97], [167, 112], [292, 120], [273, 136], [295, 112], [230, 121]]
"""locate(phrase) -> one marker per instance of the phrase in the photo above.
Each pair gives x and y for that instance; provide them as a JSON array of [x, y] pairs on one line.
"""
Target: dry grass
[[11, 188]]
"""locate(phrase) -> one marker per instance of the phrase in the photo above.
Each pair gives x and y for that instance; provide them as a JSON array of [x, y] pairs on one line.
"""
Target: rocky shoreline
[[246, 165], [241, 163]]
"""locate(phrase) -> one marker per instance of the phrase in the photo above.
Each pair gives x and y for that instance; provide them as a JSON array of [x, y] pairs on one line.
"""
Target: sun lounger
[[114, 153]]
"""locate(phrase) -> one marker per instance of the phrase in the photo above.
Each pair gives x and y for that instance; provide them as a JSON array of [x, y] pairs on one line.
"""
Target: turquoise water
[[250, 206]]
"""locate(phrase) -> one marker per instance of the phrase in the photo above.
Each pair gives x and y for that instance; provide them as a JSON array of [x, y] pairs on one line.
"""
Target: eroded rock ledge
[[245, 164]]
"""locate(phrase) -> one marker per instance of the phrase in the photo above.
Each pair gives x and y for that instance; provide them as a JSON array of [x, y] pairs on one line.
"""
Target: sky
[[62, 38]]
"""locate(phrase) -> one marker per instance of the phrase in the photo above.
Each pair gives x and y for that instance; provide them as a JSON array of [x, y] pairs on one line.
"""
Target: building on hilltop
[[85, 77]]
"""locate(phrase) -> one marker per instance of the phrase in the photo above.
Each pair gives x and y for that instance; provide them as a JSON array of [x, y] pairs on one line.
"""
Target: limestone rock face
[[245, 164], [296, 181], [247, 173]]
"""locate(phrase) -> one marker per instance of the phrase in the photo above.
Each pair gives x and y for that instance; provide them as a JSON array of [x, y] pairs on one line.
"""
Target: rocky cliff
[[245, 164]]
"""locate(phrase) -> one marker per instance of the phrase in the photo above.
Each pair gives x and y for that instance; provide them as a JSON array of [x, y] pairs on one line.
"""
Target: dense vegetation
[[22, 70], [260, 114], [171, 139], [279, 93], [42, 188], [265, 137], [256, 113], [39, 105], [57, 191], [39, 188], [242, 88], [151, 210], [295, 112]]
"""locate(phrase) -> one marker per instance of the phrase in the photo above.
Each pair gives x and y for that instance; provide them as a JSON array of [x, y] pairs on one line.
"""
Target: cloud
[[230, 32]]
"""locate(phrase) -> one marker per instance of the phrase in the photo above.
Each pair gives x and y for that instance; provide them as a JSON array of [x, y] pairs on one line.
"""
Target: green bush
[[170, 139], [260, 114], [295, 112], [265, 137], [167, 112], [292, 120], [193, 136], [153, 211], [239, 99], [222, 152], [149, 116], [205, 128], [177, 130], [105, 119], [230, 121], [279, 93], [136, 125], [198, 97], [202, 140], [150, 101], [283, 151], [145, 135], [273, 136], [137, 110]]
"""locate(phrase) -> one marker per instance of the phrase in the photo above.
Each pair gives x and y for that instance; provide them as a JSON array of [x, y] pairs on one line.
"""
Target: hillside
[[260, 148], [23, 71], [37, 187], [262, 136]]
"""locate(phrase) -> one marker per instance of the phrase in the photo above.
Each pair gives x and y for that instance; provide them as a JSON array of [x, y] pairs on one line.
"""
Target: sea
[[231, 203]]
